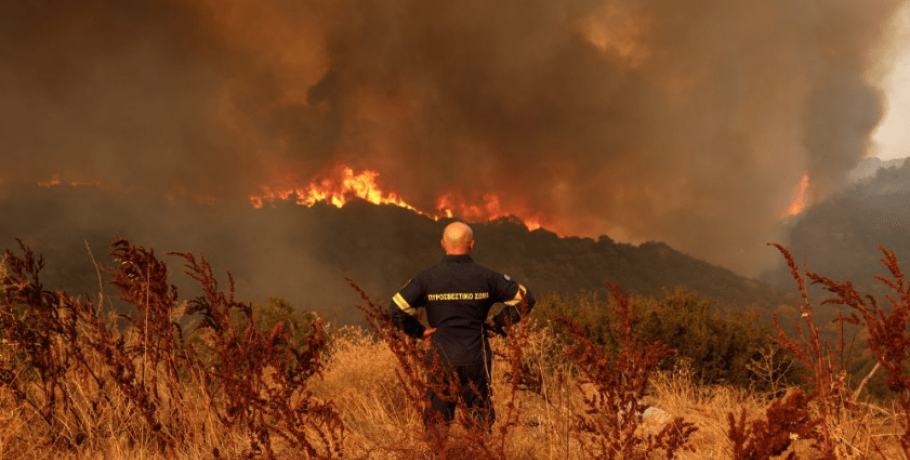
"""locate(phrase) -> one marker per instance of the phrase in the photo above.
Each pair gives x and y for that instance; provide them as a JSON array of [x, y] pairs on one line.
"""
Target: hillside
[[839, 237], [302, 253]]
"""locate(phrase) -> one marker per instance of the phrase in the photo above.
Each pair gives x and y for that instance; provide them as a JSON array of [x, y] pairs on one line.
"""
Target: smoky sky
[[689, 122]]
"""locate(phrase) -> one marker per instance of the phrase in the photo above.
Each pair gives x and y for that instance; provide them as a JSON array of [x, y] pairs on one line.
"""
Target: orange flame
[[489, 210], [55, 181], [799, 200], [364, 186], [361, 186]]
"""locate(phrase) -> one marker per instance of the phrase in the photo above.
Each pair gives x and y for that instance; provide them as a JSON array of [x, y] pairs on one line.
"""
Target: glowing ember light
[[364, 186], [799, 201], [55, 181]]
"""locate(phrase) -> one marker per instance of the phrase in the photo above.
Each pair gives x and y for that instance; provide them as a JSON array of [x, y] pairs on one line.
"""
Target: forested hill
[[303, 253], [401, 244], [839, 238]]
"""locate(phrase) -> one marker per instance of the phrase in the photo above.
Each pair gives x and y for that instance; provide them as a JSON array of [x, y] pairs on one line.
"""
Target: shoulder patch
[[507, 277]]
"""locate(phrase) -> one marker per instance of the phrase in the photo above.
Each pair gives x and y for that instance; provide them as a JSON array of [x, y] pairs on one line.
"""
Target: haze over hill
[[301, 253], [839, 237], [867, 168]]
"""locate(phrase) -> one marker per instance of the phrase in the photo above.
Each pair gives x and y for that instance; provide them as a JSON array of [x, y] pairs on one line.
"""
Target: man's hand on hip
[[427, 334]]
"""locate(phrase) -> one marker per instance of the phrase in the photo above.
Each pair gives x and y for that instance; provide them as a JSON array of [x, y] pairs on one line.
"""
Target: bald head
[[457, 239]]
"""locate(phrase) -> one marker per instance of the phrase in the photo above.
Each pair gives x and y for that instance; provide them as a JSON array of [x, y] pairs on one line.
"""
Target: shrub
[[39, 344], [610, 425], [787, 418], [887, 337], [78, 369], [717, 349], [278, 310], [258, 380]]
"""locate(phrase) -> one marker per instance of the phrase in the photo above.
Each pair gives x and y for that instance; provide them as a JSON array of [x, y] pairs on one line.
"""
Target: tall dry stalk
[[888, 335], [614, 389], [39, 344], [826, 376], [887, 339], [134, 376]]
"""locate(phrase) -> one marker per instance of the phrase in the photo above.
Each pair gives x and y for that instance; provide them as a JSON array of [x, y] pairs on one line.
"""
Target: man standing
[[457, 295]]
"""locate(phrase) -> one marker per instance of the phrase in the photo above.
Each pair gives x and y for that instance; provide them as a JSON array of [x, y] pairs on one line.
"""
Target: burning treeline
[[364, 186], [685, 122]]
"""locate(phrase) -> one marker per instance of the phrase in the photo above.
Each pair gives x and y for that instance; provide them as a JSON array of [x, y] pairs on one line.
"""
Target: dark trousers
[[471, 387]]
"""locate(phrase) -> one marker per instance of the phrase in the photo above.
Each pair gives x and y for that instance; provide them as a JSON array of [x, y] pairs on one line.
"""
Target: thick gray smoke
[[685, 122]]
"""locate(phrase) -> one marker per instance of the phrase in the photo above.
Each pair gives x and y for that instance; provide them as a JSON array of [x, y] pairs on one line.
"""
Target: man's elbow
[[527, 302], [530, 301]]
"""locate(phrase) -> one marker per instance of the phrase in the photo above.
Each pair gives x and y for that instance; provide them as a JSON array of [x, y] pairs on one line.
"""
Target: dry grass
[[359, 378], [232, 391]]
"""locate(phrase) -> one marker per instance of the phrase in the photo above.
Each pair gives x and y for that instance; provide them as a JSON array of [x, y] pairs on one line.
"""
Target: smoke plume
[[685, 122]]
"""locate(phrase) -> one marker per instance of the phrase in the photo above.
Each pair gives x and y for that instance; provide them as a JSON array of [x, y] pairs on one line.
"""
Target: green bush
[[277, 309], [717, 348]]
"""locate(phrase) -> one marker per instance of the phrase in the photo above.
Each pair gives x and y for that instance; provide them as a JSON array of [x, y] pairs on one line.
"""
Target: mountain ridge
[[304, 253], [840, 237]]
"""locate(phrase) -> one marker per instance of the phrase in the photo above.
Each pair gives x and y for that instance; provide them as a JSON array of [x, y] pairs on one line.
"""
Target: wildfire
[[338, 193], [490, 209], [55, 181], [363, 186], [799, 200]]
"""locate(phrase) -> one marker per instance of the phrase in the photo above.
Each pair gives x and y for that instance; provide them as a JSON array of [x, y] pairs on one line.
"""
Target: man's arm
[[402, 312], [516, 308]]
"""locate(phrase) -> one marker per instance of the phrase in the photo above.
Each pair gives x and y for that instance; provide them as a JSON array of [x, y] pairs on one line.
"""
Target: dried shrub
[[521, 374], [826, 375], [144, 365], [887, 327], [257, 380], [888, 341], [75, 368], [787, 418], [610, 425], [38, 346]]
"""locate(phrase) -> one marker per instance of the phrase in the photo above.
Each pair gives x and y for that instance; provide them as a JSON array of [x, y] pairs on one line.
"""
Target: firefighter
[[457, 295]]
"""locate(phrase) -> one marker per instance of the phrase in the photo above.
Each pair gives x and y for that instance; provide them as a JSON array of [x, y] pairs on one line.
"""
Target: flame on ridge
[[363, 186], [490, 209], [55, 181], [799, 200], [351, 185]]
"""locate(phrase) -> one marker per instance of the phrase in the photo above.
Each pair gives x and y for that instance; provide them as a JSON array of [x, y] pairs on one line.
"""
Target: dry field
[[380, 422], [78, 383]]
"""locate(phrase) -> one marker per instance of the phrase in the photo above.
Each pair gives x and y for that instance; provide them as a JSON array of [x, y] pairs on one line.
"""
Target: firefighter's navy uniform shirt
[[457, 295]]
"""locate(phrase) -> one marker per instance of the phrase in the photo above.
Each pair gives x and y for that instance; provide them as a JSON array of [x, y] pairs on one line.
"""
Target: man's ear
[[471, 245], [442, 243]]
